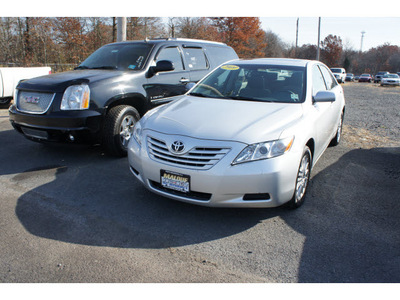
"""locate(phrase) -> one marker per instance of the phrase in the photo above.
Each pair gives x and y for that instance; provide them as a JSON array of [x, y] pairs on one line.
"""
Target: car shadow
[[351, 220], [77, 194]]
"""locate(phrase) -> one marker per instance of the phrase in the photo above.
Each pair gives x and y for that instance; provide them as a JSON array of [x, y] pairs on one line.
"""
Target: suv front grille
[[34, 102], [200, 158]]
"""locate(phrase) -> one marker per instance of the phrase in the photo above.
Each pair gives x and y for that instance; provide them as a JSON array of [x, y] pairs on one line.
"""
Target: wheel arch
[[311, 145], [135, 100]]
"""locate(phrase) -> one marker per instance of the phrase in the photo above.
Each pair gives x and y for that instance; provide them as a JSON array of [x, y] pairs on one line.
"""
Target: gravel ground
[[372, 115]]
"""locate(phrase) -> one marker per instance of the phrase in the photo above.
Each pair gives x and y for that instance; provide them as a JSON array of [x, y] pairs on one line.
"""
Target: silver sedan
[[247, 135]]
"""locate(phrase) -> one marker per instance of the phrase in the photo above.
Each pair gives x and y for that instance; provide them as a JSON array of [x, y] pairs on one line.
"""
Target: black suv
[[102, 99]]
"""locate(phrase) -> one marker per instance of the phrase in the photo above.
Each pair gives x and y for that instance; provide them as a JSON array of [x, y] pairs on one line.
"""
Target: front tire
[[118, 129], [302, 180]]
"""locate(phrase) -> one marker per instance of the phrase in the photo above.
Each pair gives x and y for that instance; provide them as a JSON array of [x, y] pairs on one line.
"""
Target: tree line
[[64, 42]]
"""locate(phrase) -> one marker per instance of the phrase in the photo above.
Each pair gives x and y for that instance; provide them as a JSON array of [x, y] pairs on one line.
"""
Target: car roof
[[274, 61]]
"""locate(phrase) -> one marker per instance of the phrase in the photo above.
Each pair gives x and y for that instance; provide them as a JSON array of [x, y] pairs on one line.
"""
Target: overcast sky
[[378, 30]]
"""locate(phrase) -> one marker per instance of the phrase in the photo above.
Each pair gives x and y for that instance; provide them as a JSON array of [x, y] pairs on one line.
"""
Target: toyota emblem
[[177, 146]]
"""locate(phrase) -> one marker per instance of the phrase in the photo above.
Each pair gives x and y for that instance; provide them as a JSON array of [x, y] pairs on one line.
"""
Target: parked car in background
[[390, 79], [340, 74], [9, 78], [365, 78], [356, 77], [102, 99], [247, 135], [350, 77], [379, 76]]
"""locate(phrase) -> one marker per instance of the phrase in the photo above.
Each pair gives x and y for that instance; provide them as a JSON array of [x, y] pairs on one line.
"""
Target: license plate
[[175, 181]]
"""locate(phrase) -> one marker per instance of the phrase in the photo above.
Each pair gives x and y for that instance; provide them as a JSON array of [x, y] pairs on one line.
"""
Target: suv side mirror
[[324, 96], [161, 66], [164, 66]]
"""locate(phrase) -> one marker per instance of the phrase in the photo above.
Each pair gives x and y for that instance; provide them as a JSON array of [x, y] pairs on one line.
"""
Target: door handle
[[184, 80]]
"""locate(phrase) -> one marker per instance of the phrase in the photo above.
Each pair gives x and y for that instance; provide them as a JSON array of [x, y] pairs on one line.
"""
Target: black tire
[[302, 180], [336, 139], [118, 128], [5, 102]]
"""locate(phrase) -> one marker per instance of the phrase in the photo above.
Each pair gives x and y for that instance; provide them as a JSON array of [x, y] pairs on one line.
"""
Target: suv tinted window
[[118, 56], [195, 58], [330, 82], [173, 54]]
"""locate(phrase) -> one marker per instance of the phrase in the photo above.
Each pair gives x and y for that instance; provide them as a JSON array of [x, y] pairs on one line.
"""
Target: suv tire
[[118, 129]]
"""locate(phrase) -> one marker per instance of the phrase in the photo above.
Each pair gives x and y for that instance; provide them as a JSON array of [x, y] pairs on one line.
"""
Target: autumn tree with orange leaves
[[245, 35]]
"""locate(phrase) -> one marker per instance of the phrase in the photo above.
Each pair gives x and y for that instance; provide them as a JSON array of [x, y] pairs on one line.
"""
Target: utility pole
[[297, 37], [319, 36], [362, 40], [121, 29]]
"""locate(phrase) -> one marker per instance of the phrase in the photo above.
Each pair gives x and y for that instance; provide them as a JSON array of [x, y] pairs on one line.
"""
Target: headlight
[[137, 133], [264, 150], [76, 97]]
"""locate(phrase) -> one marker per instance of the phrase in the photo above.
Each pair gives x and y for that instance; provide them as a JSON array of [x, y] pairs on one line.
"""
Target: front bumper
[[384, 82], [263, 183], [57, 126]]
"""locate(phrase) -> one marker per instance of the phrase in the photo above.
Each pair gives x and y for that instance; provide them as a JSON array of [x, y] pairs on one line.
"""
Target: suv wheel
[[118, 129]]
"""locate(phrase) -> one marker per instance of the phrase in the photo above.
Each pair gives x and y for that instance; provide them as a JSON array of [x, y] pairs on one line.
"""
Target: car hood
[[58, 82], [223, 119]]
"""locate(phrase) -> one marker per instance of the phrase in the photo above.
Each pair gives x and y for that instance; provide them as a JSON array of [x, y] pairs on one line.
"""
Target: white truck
[[9, 78], [340, 74]]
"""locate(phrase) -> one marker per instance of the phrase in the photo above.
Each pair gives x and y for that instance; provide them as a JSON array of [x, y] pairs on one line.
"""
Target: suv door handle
[[184, 80]]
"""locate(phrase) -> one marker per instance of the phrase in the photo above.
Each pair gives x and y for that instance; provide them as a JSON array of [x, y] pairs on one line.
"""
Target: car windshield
[[125, 56], [336, 70], [254, 83], [391, 76], [365, 75]]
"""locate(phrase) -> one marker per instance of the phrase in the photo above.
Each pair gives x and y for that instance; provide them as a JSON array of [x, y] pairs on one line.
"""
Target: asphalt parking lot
[[73, 214]]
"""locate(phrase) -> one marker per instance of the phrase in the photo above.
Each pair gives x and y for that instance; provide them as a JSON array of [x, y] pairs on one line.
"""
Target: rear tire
[[302, 180], [118, 129]]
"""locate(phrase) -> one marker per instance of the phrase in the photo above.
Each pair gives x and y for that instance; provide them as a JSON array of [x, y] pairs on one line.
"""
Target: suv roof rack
[[182, 40]]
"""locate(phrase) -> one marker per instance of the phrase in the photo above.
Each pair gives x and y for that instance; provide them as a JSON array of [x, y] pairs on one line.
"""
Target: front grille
[[198, 157], [34, 102]]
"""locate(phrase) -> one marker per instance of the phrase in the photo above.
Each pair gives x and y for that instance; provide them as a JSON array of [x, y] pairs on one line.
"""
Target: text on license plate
[[175, 181]]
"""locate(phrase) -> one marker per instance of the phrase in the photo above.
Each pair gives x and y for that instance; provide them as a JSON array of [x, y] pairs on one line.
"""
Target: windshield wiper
[[249, 99], [199, 95], [105, 67], [81, 68]]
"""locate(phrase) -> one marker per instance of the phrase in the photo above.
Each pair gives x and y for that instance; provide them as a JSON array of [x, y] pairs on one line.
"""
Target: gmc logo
[[31, 99]]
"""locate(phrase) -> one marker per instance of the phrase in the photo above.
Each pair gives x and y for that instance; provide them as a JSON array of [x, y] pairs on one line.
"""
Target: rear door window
[[195, 58]]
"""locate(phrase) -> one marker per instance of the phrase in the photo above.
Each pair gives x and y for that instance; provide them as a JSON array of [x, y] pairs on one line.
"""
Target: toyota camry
[[246, 135]]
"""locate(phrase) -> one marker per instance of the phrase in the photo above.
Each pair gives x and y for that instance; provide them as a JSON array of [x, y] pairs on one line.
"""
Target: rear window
[[195, 58]]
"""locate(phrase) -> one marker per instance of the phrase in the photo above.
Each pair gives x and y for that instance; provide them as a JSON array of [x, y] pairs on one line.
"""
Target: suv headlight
[[76, 97], [264, 150]]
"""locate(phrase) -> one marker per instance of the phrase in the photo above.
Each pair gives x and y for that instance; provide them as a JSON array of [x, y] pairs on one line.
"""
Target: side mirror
[[161, 66], [164, 66], [324, 96]]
